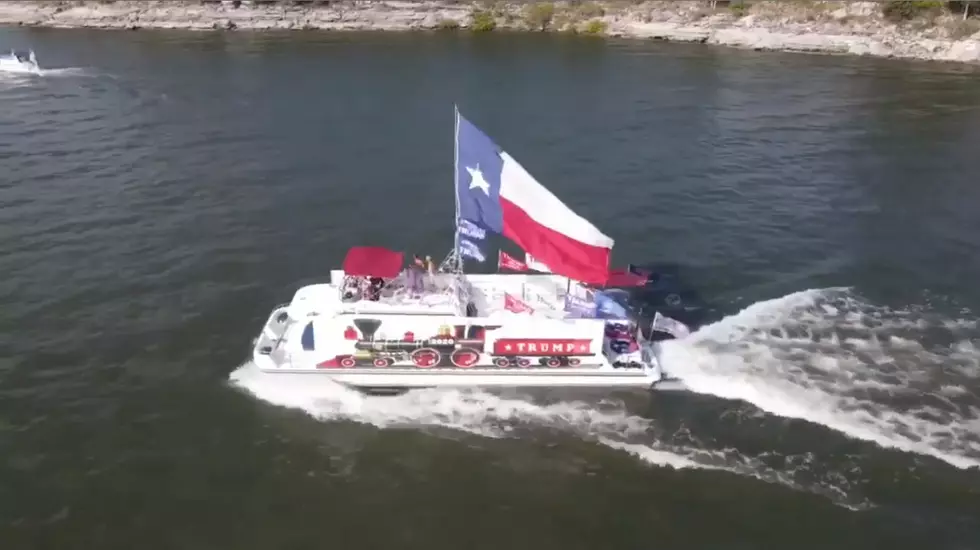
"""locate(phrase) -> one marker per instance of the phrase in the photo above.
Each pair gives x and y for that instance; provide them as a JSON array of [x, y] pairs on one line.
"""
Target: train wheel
[[464, 358], [425, 358], [347, 362]]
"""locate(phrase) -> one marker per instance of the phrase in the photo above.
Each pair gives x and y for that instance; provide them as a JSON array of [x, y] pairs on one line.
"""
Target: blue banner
[[466, 228], [470, 249], [608, 308], [471, 239]]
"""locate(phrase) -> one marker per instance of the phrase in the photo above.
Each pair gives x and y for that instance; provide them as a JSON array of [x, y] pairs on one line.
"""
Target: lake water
[[160, 192]]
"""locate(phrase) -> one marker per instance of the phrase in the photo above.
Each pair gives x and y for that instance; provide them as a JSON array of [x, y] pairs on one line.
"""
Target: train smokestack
[[368, 327]]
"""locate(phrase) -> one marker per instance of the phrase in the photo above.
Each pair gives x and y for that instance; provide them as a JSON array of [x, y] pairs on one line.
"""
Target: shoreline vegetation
[[939, 31]]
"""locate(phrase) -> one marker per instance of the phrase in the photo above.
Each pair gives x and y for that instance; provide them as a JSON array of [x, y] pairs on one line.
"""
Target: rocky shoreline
[[856, 28]]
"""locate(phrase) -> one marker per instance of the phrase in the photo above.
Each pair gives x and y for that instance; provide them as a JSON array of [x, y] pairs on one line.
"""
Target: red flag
[[516, 304], [506, 261], [621, 277]]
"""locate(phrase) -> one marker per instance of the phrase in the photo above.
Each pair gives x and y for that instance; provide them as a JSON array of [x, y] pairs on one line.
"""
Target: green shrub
[[539, 15], [595, 26], [482, 21], [739, 9], [965, 8], [591, 9], [903, 10]]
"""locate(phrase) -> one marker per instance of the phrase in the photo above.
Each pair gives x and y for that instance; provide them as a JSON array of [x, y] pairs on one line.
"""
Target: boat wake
[[21, 73], [904, 380], [606, 423], [64, 71], [15, 79], [901, 379]]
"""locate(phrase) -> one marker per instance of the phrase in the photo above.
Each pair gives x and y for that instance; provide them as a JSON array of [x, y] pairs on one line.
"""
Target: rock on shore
[[856, 28]]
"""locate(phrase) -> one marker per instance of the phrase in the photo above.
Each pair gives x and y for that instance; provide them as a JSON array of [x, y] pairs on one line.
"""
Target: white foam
[[65, 71], [493, 416], [470, 411], [652, 456], [24, 74], [11, 79], [826, 357]]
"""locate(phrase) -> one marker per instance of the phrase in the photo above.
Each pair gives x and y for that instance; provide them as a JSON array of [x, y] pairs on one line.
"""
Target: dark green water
[[161, 192]]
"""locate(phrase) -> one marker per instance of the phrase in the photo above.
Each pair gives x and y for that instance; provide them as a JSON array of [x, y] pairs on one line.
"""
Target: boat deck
[[445, 294]]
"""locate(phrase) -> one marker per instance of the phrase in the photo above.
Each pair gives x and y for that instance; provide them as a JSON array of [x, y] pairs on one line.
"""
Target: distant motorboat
[[19, 62]]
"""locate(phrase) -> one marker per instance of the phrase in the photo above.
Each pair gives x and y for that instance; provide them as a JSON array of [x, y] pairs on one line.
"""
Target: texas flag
[[498, 194]]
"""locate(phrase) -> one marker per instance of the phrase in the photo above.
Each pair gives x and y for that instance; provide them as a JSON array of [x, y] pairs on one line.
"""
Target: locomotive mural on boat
[[417, 342]]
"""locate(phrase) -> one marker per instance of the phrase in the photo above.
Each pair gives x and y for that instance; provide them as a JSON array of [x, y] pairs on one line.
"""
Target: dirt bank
[[858, 28]]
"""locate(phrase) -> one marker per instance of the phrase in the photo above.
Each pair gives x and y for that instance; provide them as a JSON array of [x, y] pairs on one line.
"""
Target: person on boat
[[352, 289], [374, 288], [408, 274], [416, 275], [429, 276]]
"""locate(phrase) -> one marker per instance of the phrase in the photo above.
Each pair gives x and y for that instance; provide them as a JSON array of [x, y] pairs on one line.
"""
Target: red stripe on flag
[[564, 255]]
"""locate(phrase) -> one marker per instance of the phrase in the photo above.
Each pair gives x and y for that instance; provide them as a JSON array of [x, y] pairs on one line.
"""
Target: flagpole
[[459, 257]]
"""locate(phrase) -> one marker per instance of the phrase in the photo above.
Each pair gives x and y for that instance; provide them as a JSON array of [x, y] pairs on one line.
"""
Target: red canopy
[[373, 261]]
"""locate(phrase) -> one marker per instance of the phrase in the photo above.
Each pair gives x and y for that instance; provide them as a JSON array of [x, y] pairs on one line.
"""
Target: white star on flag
[[477, 181]]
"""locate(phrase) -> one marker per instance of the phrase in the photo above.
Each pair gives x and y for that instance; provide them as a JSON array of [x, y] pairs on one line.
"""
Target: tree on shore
[[966, 7], [539, 15], [900, 10]]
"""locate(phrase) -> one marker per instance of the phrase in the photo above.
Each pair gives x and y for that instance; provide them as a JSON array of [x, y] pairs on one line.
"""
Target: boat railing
[[462, 294], [272, 322], [542, 303], [429, 289], [431, 285]]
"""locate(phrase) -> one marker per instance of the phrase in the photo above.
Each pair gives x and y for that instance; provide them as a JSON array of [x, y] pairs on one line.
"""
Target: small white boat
[[378, 326], [19, 62]]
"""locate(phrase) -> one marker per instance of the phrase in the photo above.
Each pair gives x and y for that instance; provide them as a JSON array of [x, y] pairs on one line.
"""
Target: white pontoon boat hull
[[405, 378], [402, 341]]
